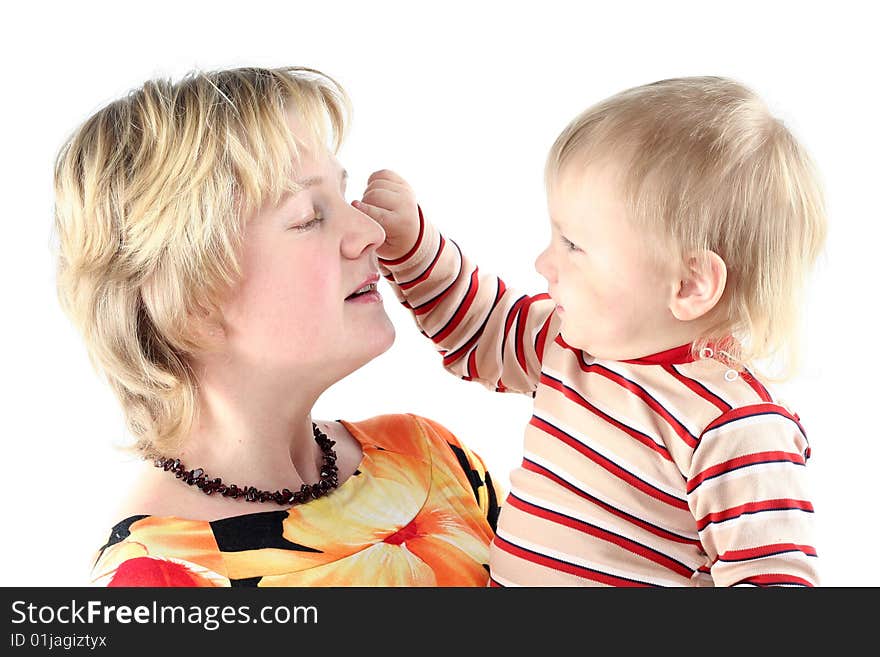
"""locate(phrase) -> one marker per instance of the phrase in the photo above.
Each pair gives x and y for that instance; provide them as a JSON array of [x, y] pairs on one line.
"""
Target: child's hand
[[390, 201]]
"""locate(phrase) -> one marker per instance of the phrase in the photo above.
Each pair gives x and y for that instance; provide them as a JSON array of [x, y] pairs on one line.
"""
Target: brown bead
[[197, 477]]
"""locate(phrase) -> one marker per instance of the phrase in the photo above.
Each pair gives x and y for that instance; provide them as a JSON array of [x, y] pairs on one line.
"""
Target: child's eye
[[568, 244]]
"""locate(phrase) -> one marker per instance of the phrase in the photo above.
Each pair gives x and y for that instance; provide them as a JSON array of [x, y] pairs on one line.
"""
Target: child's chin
[[574, 340], [592, 348]]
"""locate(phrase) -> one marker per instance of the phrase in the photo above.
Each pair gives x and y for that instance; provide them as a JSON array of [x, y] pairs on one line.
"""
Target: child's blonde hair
[[706, 166], [150, 197]]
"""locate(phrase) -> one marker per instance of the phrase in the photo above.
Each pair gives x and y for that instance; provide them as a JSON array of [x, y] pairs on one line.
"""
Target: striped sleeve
[[748, 489], [484, 331]]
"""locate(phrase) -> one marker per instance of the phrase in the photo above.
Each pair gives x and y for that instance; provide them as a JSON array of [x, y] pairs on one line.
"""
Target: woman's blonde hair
[[151, 193], [705, 167]]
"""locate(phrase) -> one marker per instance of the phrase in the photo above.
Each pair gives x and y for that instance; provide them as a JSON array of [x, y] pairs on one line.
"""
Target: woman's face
[[293, 313]]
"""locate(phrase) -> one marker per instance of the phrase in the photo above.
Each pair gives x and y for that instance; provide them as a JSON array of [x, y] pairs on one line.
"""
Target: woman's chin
[[377, 344], [385, 339], [377, 341]]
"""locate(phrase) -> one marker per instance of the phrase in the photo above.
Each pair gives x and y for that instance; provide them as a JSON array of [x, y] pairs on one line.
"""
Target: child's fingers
[[379, 215], [382, 198], [385, 174], [383, 183]]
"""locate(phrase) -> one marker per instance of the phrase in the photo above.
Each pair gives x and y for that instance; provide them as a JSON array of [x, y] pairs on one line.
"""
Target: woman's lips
[[369, 288], [369, 297]]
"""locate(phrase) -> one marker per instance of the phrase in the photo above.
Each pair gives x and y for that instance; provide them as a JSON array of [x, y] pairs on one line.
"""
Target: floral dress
[[420, 510]]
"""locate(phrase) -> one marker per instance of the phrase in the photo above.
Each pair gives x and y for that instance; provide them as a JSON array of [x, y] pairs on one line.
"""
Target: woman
[[222, 282]]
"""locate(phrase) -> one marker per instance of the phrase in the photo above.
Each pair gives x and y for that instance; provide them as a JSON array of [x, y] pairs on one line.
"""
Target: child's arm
[[749, 491], [484, 331]]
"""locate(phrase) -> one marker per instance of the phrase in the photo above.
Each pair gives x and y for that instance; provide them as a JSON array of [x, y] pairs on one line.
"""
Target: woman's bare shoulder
[[148, 494], [155, 492]]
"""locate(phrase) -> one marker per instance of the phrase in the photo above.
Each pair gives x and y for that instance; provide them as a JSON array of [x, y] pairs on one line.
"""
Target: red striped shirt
[[656, 471]]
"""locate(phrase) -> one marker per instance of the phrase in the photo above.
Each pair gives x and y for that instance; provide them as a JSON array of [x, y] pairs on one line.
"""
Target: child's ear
[[699, 287]]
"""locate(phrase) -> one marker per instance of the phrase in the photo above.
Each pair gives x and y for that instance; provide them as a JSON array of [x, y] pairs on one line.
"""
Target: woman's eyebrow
[[317, 180]]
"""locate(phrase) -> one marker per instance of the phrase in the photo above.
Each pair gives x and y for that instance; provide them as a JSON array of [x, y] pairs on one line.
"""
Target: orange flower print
[[415, 513]]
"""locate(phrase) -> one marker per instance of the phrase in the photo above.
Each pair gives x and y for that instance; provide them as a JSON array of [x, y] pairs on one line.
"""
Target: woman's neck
[[253, 432]]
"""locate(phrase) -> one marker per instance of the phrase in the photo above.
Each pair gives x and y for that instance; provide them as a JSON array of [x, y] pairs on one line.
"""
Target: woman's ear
[[207, 330], [700, 286]]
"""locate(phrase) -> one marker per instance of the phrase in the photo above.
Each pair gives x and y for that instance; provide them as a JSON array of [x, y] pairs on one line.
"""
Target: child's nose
[[544, 266]]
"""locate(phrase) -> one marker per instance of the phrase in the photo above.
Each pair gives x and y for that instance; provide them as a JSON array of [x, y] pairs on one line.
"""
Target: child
[[684, 219]]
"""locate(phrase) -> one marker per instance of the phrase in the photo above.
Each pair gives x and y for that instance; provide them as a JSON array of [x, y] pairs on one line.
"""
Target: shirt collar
[[674, 356]]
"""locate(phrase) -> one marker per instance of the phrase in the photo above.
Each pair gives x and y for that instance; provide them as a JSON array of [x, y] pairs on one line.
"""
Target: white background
[[464, 99]]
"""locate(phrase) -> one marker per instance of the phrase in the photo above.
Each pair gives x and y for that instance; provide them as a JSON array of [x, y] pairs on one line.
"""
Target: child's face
[[612, 295]]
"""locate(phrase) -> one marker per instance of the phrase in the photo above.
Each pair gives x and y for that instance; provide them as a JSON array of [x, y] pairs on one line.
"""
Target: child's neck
[[664, 337]]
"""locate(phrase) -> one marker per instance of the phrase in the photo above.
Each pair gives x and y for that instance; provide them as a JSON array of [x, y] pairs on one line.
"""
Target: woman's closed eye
[[310, 223]]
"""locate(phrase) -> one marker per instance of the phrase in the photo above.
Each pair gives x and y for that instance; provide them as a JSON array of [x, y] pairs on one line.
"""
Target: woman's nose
[[363, 234]]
